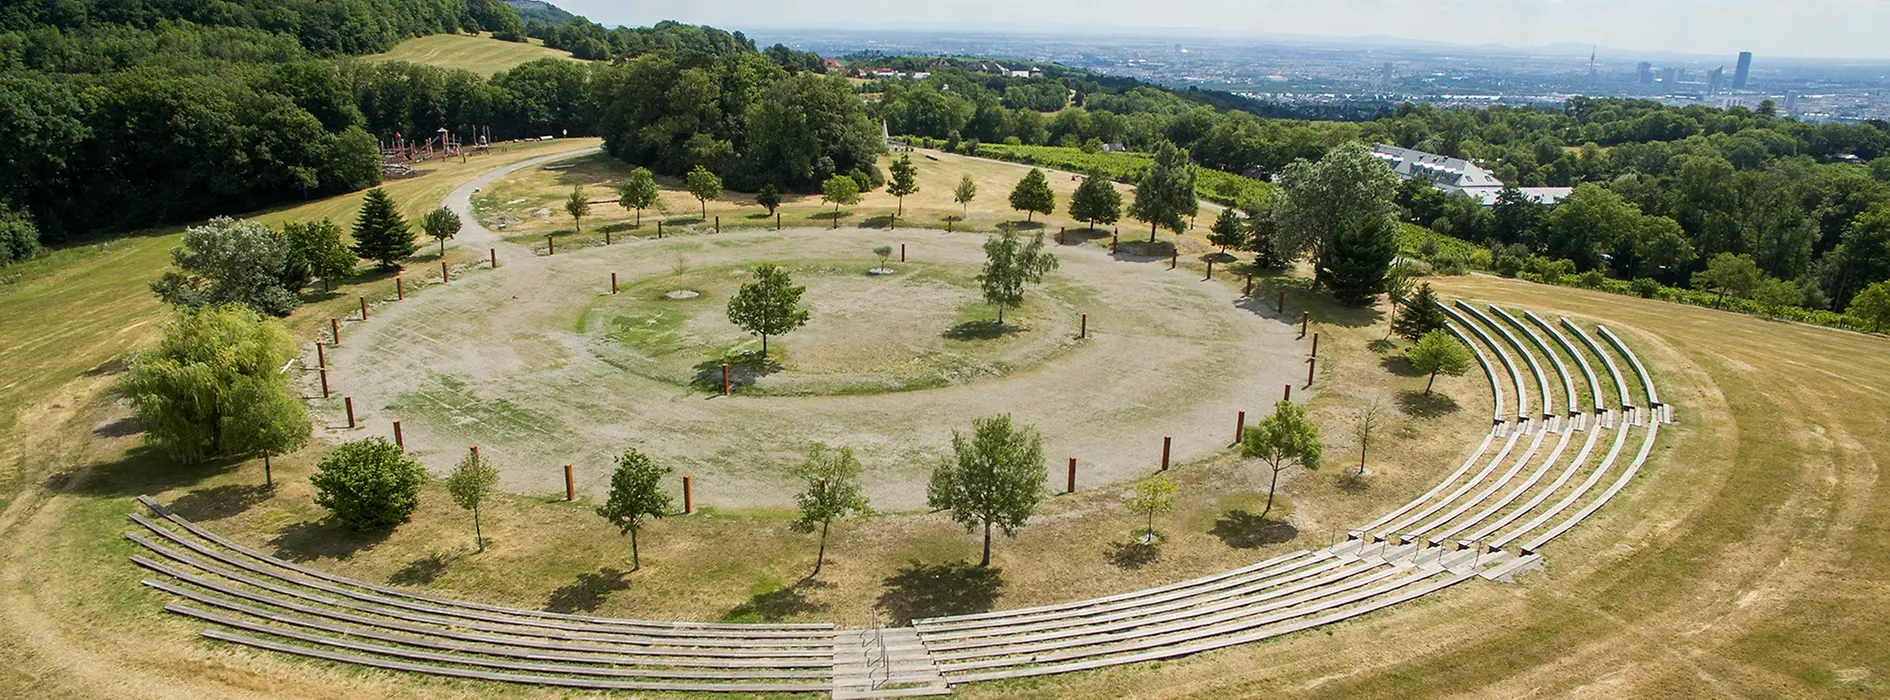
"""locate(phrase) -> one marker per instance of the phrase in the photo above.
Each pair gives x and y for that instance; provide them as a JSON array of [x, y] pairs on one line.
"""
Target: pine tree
[[1422, 315], [1228, 231], [904, 181], [1096, 201], [1033, 195], [380, 234], [1357, 260]]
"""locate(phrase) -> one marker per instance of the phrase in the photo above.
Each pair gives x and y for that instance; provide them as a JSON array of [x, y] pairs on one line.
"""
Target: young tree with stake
[[441, 224], [705, 186], [1153, 496], [994, 478], [833, 492], [1438, 352], [578, 207], [1033, 195], [1365, 424], [470, 484], [966, 191], [905, 181], [1283, 440], [636, 495], [770, 305], [1009, 264], [639, 192]]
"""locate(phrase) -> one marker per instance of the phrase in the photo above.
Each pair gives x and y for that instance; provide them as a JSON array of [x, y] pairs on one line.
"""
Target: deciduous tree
[[1728, 273], [966, 191], [639, 192], [1009, 264], [994, 478], [905, 181], [318, 244], [1165, 195], [704, 185], [1033, 195], [578, 207], [769, 196], [212, 386], [1341, 210], [1872, 306], [441, 224], [1283, 440], [770, 305], [636, 495], [840, 190], [1438, 352], [470, 484], [833, 492], [1096, 201], [380, 234], [231, 261], [1154, 496], [368, 484]]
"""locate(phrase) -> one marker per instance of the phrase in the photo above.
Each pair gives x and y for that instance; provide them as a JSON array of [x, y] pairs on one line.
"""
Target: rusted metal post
[[606, 236], [902, 252], [777, 221], [1315, 345], [1173, 259], [493, 253], [334, 331], [1305, 318], [570, 487], [1280, 307], [400, 288], [551, 246], [613, 283], [1311, 363], [1071, 487], [725, 382], [1240, 426], [364, 307], [1288, 396], [1060, 230], [1249, 292], [1082, 326], [399, 440], [321, 357], [1210, 268], [324, 373], [659, 229], [1114, 239], [688, 496], [349, 402], [1167, 442], [892, 223], [446, 276], [718, 223], [948, 224]]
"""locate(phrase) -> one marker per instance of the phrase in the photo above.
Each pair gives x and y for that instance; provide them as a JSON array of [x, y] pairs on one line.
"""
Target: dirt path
[[496, 360]]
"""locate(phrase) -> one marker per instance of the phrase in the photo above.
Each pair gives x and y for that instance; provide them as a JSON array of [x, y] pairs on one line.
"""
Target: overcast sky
[[1806, 28]]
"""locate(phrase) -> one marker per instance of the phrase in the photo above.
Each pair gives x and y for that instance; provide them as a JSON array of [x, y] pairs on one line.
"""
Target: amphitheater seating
[[1462, 528]]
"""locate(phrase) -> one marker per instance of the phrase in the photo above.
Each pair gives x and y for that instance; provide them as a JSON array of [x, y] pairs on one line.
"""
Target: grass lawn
[[480, 54]]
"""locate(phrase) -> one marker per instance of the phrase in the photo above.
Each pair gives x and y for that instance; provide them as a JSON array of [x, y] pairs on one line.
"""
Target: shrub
[[1592, 279], [1645, 288], [1449, 264], [368, 484], [1506, 265]]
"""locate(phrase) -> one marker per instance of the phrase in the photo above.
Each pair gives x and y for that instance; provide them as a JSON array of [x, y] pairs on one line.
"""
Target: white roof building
[[1456, 175]]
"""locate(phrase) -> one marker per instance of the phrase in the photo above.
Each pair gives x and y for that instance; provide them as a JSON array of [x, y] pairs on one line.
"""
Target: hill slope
[[540, 11], [480, 54]]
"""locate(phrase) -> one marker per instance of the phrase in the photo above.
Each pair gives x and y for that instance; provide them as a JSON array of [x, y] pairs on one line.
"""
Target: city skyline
[[1836, 29]]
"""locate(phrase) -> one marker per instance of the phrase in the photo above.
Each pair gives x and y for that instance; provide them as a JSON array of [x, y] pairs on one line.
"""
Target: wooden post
[[1288, 396], [1173, 259], [1210, 268], [269, 477], [551, 246], [1315, 345], [570, 488], [777, 221], [1311, 362], [1114, 238], [400, 288], [364, 307], [324, 372], [1060, 230], [948, 224], [1082, 326], [1281, 306], [902, 252], [613, 283], [659, 229], [688, 496], [399, 440], [892, 223], [1071, 487], [1305, 317], [607, 236], [446, 276], [1240, 426], [725, 383], [349, 401], [1249, 292], [493, 253], [1167, 441], [718, 223], [321, 358], [334, 330]]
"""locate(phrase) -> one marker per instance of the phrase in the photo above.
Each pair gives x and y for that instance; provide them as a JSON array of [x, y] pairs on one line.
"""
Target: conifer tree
[[380, 234], [1421, 315]]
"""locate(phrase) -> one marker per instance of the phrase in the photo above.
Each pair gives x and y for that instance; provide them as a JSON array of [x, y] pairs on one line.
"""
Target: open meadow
[[480, 54]]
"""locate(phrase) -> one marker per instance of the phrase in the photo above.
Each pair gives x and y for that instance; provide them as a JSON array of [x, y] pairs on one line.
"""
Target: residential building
[[1457, 176]]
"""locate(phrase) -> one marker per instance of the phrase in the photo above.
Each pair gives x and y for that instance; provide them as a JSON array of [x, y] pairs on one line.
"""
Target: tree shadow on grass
[[1133, 554], [930, 590], [424, 570], [316, 539], [981, 330], [123, 427], [1243, 530], [883, 221], [142, 470], [219, 502], [1080, 236], [1418, 404], [778, 604], [1400, 365], [588, 592], [744, 369], [1144, 251], [1352, 482], [1382, 345]]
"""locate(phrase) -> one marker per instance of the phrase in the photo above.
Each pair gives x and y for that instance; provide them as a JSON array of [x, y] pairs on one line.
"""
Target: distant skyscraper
[[1645, 72], [1791, 103], [1669, 76], [1743, 70], [1715, 80]]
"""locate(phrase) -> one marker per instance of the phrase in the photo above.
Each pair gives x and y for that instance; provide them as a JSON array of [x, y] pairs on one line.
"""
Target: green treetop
[[1438, 352], [441, 224], [230, 261], [905, 181], [636, 495], [705, 186], [1727, 273], [1096, 201], [319, 245], [1341, 209], [1228, 230], [769, 196], [994, 478], [770, 305], [1153, 496], [470, 484], [1033, 195], [380, 234], [1283, 440], [832, 492], [368, 484], [578, 207], [840, 190], [1165, 196], [1420, 315], [639, 192], [1009, 264], [212, 386], [966, 191]]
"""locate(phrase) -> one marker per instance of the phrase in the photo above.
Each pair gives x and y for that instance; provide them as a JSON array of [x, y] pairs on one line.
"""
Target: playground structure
[[399, 154]]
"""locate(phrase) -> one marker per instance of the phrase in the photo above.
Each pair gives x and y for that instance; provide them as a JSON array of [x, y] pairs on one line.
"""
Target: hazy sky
[[1808, 28]]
